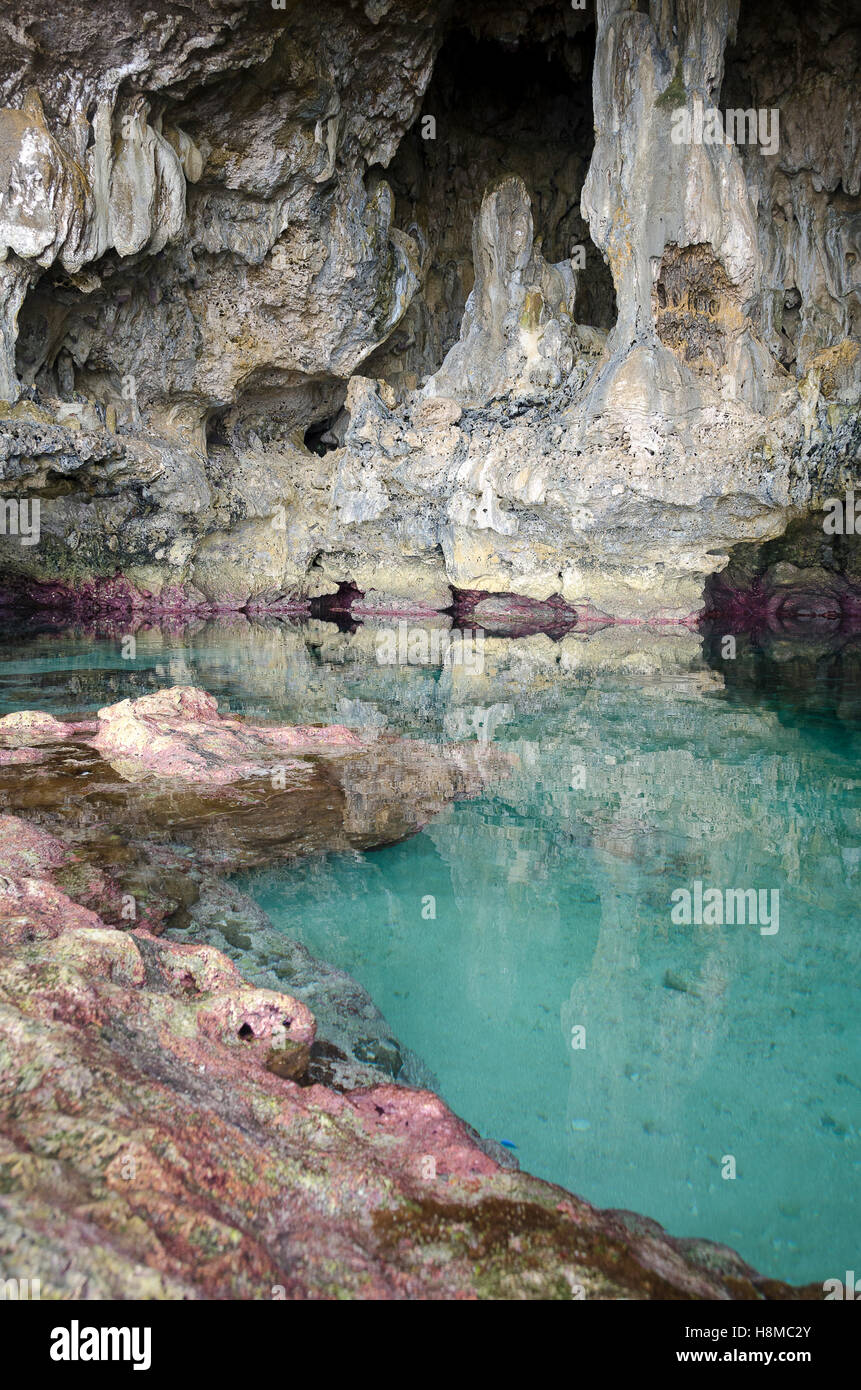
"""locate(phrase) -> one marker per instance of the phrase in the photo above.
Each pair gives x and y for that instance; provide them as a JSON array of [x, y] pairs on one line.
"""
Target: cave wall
[[805, 63], [496, 110], [260, 337]]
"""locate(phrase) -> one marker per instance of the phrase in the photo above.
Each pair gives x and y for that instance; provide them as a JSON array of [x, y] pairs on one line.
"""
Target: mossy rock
[[676, 94]]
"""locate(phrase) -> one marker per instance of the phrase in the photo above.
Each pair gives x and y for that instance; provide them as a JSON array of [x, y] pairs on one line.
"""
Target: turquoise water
[[516, 928]]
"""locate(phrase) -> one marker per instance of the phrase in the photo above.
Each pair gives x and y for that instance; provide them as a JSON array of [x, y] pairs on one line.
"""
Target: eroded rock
[[156, 1151], [260, 359]]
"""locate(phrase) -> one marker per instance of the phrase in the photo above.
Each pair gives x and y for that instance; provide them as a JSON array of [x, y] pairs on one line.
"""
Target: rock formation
[[163, 1135], [320, 295]]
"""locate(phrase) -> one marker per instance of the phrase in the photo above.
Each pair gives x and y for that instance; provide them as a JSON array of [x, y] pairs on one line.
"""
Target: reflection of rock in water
[[160, 835], [787, 615]]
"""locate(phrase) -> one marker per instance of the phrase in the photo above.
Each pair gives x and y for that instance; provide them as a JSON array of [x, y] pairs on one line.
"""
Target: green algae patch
[[517, 1249], [676, 94]]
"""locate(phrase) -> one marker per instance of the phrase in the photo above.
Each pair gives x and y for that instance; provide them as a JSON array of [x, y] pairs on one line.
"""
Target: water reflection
[[645, 762]]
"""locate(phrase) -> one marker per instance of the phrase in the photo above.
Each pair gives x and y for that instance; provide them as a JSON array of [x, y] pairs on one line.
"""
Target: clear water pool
[[514, 929]]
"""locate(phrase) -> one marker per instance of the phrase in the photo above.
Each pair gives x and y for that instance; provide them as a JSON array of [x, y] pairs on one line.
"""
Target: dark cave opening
[[490, 110], [217, 430], [319, 438]]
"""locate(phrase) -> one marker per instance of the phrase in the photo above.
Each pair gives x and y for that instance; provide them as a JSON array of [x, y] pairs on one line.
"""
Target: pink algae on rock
[[179, 733], [26, 849], [31, 908], [154, 1146], [22, 755], [34, 728]]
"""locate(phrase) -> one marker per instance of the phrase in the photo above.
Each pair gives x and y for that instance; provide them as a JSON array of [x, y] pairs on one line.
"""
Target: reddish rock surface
[[514, 615], [179, 733], [116, 594], [34, 728], [787, 600], [160, 1134], [21, 755], [148, 1148]]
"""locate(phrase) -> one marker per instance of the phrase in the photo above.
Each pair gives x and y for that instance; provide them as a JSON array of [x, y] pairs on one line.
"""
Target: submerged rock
[[164, 782], [155, 1144]]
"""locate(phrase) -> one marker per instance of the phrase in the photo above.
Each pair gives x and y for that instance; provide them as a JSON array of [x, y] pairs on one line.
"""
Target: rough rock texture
[[288, 305], [179, 733], [139, 834], [806, 584], [155, 1143], [172, 775]]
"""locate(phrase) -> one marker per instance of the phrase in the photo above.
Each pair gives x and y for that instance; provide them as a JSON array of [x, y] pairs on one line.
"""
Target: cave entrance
[[320, 437], [493, 108]]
